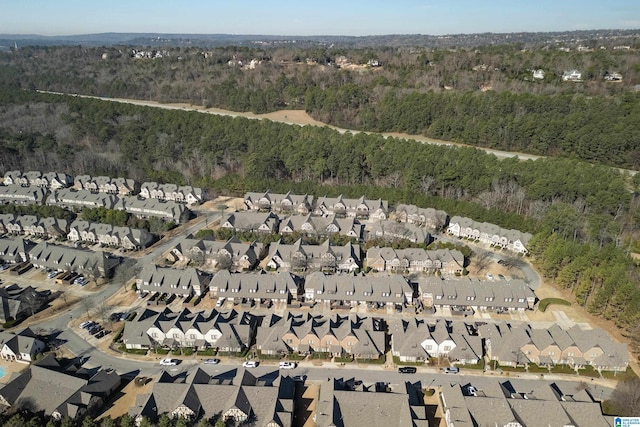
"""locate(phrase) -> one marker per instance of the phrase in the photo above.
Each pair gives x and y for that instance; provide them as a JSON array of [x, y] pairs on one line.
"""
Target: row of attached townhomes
[[343, 403], [323, 226], [519, 403], [15, 251], [291, 203], [172, 192], [18, 195], [228, 331], [489, 234], [418, 340], [33, 226], [23, 346], [314, 226], [429, 218], [171, 281], [459, 295], [414, 220], [62, 258], [50, 180], [77, 231], [517, 345], [231, 398], [469, 295], [231, 254], [325, 206], [415, 260], [412, 339], [326, 257], [142, 208], [109, 235], [360, 337], [255, 287], [59, 389], [104, 184]]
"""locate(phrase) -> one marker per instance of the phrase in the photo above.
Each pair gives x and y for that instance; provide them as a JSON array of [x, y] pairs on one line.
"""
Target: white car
[[169, 362], [287, 365], [250, 364]]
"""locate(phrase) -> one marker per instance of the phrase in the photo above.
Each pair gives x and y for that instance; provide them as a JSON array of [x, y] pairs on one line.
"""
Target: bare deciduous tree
[[626, 398]]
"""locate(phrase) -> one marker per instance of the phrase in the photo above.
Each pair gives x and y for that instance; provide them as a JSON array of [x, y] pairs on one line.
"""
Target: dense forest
[[484, 96]]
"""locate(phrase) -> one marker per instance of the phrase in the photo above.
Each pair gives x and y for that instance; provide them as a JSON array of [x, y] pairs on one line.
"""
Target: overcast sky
[[328, 17]]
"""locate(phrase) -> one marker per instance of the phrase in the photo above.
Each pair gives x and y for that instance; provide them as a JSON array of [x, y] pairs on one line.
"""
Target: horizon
[[283, 18]]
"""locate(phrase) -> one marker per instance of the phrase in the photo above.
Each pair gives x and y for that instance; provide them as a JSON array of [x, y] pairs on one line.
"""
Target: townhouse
[[326, 257], [109, 235], [360, 337], [15, 251], [467, 294], [422, 217], [314, 226], [171, 281], [263, 288], [517, 403], [229, 331], [348, 290], [489, 234], [417, 340], [339, 404], [62, 258], [33, 226], [357, 208], [415, 260], [512, 345], [78, 199], [391, 230], [250, 222], [59, 390], [19, 195], [147, 208], [23, 346], [285, 203], [105, 184], [51, 180], [234, 396], [172, 192], [231, 254]]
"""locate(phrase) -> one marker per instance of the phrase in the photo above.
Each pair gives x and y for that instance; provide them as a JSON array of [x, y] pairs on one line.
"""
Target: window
[[438, 296], [447, 348], [192, 336]]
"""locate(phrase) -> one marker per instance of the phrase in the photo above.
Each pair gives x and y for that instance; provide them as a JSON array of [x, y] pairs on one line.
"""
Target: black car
[[407, 370]]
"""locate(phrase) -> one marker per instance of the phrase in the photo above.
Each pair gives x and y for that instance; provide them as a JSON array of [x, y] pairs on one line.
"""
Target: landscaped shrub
[[546, 302]]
